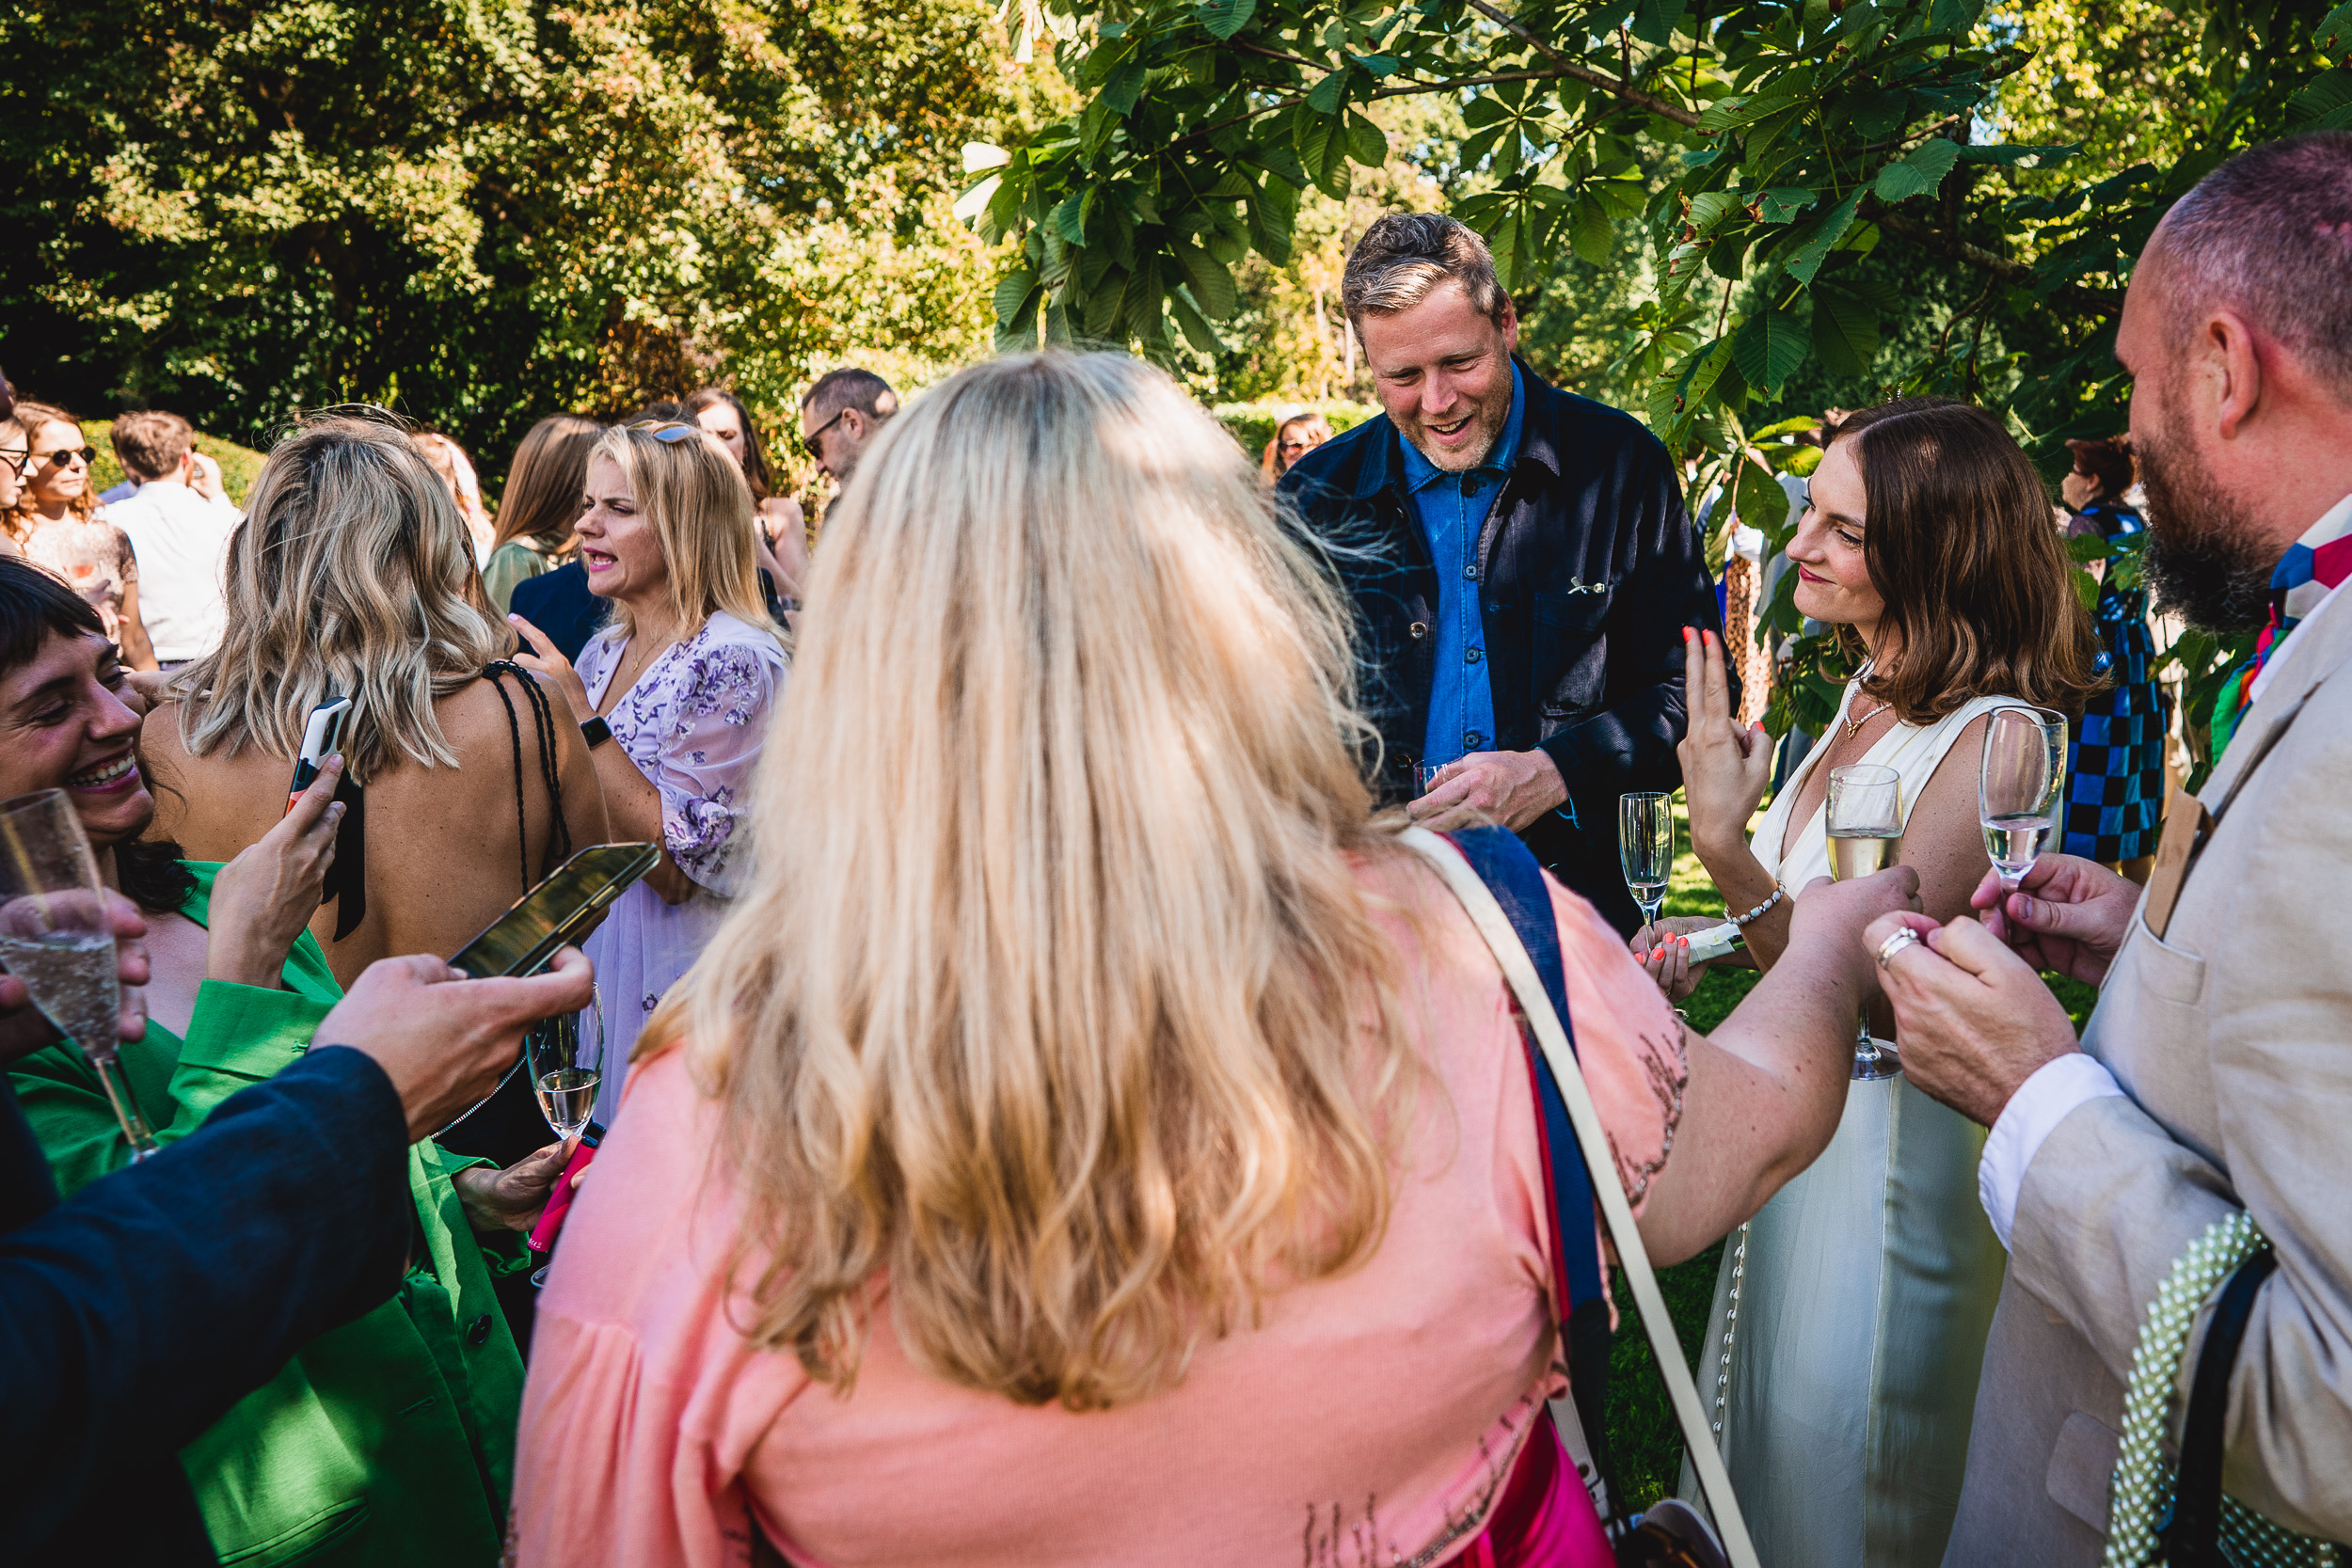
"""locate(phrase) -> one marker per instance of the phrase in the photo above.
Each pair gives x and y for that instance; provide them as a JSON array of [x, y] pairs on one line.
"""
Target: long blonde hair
[[693, 496], [352, 574], [1066, 1014]]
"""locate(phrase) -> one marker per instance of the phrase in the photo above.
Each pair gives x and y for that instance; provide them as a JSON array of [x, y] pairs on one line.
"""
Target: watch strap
[[595, 732]]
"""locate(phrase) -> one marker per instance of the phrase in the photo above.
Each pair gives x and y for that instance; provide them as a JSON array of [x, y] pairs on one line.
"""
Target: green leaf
[[2332, 38], [1123, 86], [1273, 215], [1653, 21], [1066, 218], [1782, 203], [1723, 114], [1707, 209], [1366, 142], [1011, 290], [1018, 332], [1845, 333], [1224, 18], [1768, 348], [1485, 110], [1192, 323], [1589, 232], [1327, 94], [1809, 256], [1211, 284], [1918, 172], [1758, 498]]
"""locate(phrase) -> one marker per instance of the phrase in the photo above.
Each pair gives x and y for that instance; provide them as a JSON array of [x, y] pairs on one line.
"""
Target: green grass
[[1644, 1438]]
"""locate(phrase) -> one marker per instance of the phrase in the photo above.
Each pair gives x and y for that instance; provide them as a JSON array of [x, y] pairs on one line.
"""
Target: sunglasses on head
[[808, 442], [672, 434], [63, 455]]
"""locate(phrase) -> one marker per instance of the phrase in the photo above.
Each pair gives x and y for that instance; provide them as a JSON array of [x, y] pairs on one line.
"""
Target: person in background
[[423, 1389], [1293, 440], [457, 472], [1085, 1109], [840, 414], [16, 459], [179, 521], [1533, 657], [673, 698], [351, 576], [540, 503], [58, 523], [2115, 781], [781, 524]]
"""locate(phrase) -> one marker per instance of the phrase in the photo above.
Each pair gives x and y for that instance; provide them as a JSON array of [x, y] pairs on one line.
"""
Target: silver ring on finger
[[1896, 943]]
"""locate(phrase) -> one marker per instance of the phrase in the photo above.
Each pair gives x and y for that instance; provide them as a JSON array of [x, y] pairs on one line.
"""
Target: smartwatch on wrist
[[595, 732]]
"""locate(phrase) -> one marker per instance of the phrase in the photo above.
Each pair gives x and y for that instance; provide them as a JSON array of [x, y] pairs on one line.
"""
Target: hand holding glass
[[567, 1065], [2022, 786], [1864, 813], [57, 937], [1645, 848]]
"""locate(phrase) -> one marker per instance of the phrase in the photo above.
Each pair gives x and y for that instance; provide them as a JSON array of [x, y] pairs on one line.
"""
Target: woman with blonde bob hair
[[353, 575], [1093, 1137], [673, 698]]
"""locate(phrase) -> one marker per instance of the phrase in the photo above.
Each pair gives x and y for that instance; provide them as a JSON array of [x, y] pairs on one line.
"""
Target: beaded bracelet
[[1779, 893]]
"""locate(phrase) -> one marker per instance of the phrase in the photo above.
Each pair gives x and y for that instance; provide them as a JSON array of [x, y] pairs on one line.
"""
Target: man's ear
[[854, 424], [1510, 326], [2232, 362]]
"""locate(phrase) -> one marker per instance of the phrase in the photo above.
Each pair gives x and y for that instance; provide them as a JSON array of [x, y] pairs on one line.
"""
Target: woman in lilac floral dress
[[673, 695]]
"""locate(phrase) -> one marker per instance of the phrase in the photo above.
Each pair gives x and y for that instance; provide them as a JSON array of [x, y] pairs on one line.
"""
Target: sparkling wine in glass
[[55, 937], [1645, 847], [2022, 787], [1864, 813], [566, 1065]]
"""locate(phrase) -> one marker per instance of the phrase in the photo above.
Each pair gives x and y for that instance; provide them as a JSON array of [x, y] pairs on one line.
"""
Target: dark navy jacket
[[1589, 568], [131, 1318]]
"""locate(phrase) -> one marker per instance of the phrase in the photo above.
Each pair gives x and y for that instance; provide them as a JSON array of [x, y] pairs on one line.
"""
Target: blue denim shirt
[[1452, 509]]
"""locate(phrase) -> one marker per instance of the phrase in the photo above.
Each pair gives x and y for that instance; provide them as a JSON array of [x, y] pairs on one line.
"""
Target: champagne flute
[[1645, 847], [55, 937], [567, 1066], [1864, 813], [2022, 787]]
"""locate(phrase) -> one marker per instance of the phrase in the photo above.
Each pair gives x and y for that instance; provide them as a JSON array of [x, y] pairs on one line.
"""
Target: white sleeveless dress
[[1851, 1314]]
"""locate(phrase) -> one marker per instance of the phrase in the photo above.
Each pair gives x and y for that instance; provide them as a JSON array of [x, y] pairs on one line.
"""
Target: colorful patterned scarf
[[2313, 566]]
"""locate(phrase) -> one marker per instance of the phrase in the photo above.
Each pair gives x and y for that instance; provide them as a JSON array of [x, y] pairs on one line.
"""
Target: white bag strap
[[1519, 969]]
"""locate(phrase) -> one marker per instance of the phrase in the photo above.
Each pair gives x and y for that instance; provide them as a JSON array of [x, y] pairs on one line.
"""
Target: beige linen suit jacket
[[2231, 1039]]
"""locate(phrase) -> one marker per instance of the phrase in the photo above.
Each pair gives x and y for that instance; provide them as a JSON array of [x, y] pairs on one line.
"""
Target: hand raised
[[1726, 766], [2067, 914], [263, 898], [547, 660], [445, 1041], [1974, 1020]]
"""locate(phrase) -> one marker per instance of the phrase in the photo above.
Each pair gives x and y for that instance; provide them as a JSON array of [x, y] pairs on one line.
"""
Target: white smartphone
[[322, 738]]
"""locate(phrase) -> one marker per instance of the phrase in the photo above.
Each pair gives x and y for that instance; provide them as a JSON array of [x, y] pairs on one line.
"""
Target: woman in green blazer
[[388, 1441]]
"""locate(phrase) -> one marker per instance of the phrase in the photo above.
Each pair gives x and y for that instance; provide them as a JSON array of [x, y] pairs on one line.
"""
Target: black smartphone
[[556, 912]]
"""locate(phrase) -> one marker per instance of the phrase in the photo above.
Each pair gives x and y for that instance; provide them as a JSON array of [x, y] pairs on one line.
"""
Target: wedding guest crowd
[[1057, 1079]]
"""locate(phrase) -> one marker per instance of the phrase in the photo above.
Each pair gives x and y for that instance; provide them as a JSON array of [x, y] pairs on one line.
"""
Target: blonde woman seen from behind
[[1093, 1137], [353, 575], [673, 696]]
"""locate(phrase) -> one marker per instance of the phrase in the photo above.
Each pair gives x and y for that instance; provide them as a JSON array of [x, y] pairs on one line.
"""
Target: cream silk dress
[[1849, 1317]]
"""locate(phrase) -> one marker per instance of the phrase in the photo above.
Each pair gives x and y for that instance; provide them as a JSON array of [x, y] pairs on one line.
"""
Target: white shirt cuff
[[2033, 1113]]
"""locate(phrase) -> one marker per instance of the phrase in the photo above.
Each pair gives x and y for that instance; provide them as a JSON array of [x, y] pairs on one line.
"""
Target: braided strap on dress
[[2143, 1477]]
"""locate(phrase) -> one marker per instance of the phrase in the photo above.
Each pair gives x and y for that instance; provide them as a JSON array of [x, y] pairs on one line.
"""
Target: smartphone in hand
[[322, 738]]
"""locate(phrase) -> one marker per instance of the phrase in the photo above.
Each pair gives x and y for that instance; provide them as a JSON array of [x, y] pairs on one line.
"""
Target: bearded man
[[1522, 565], [2213, 1083]]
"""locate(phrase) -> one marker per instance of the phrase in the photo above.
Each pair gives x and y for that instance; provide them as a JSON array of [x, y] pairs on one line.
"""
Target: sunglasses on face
[[63, 455], [19, 459], [809, 441]]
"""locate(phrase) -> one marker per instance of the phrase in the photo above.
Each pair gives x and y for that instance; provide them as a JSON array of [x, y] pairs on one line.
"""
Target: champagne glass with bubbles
[[1645, 848], [2023, 786], [55, 937], [567, 1066], [1864, 813]]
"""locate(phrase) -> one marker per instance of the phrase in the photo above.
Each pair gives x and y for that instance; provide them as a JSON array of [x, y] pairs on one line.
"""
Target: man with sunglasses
[[840, 414]]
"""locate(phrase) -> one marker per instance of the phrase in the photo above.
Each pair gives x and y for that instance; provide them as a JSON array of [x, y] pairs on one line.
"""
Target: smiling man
[[1520, 560]]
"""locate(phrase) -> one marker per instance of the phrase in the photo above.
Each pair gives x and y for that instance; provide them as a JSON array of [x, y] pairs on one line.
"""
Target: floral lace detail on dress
[[694, 723]]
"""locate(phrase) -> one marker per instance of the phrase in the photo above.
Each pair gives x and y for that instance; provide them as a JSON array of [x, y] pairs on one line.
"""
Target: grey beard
[[2203, 560]]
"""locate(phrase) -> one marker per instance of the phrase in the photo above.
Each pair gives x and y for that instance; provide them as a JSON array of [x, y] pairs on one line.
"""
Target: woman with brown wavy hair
[[1865, 1289]]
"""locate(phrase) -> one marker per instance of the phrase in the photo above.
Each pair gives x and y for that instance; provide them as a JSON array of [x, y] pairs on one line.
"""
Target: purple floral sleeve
[[694, 726]]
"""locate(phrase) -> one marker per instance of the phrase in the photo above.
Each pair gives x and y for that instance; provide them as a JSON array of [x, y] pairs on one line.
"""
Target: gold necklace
[[1854, 726]]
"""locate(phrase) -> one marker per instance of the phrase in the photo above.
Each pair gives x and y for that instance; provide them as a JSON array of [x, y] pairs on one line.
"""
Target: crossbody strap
[[1520, 971]]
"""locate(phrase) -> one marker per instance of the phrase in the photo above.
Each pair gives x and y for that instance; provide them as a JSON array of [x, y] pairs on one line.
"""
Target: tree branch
[[2069, 298]]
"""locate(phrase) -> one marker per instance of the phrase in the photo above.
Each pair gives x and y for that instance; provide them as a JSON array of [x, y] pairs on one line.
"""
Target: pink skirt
[[1545, 1517]]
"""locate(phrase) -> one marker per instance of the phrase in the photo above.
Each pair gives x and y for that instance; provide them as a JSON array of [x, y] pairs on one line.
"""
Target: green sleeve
[[237, 1036], [510, 563]]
